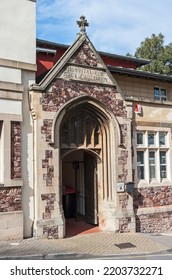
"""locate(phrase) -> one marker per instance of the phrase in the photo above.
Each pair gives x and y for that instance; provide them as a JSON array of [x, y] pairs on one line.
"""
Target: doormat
[[125, 245]]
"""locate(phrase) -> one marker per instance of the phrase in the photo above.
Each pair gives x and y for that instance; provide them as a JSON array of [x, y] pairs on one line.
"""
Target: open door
[[91, 201]]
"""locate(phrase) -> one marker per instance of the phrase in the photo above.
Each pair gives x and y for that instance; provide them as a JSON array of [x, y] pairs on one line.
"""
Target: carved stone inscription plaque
[[86, 74]]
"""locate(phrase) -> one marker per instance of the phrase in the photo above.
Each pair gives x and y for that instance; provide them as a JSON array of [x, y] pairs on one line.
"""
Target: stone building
[[17, 72], [96, 143], [102, 130]]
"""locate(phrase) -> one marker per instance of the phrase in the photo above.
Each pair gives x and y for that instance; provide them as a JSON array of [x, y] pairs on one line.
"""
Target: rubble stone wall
[[153, 196], [48, 168], [156, 222], [124, 225], [10, 199], [15, 150], [157, 198], [63, 91], [85, 56], [50, 232], [46, 129], [49, 206]]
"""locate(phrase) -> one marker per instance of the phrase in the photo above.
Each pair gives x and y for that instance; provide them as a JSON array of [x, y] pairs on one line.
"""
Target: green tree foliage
[[160, 55]]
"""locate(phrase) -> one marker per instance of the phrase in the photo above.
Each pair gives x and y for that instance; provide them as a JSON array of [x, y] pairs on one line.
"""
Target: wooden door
[[91, 203]]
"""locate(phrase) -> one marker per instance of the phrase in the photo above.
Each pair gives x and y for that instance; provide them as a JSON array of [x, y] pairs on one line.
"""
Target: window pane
[[156, 94], [152, 170], [163, 172], [80, 129], [89, 129], [72, 129], [152, 157], [162, 138], [140, 172], [163, 92], [162, 157], [65, 133], [96, 135], [140, 138], [140, 165], [151, 138], [140, 157], [163, 166]]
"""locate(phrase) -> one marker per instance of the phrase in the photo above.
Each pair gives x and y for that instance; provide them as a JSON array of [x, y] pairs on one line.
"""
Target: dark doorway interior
[[79, 180]]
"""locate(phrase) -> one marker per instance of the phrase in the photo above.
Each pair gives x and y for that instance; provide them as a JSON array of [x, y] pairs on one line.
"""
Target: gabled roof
[[65, 60]]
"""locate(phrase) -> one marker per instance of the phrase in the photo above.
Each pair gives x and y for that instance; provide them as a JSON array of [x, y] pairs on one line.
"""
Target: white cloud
[[115, 25]]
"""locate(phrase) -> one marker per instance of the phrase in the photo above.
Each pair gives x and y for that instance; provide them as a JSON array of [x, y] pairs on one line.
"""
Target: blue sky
[[115, 26]]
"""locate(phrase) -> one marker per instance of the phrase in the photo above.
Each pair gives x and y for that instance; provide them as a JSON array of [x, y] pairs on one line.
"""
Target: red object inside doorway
[[80, 227], [69, 190]]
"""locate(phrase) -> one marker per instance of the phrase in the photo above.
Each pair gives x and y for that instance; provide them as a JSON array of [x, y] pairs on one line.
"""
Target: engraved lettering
[[88, 75]]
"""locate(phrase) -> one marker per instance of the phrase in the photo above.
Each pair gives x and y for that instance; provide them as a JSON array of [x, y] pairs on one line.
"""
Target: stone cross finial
[[82, 23]]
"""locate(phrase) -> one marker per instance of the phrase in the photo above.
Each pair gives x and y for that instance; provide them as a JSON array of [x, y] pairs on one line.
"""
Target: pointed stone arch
[[100, 109], [106, 153]]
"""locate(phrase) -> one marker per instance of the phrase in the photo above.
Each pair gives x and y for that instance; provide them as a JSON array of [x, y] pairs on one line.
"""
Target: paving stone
[[100, 243]]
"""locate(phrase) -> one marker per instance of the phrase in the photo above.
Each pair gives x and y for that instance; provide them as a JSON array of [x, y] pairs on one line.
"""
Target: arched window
[[80, 128]]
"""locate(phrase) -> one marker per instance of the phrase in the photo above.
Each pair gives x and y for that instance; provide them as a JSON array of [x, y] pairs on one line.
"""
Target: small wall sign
[[120, 187]]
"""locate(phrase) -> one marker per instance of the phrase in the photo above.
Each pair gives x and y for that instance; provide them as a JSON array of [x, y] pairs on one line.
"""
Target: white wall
[[10, 107], [18, 30], [18, 43], [7, 73]]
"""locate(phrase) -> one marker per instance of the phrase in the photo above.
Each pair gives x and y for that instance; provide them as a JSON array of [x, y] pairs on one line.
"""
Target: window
[[152, 155], [80, 129], [160, 93]]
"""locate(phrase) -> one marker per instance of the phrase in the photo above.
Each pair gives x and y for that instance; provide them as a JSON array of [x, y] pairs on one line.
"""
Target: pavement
[[89, 245]]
